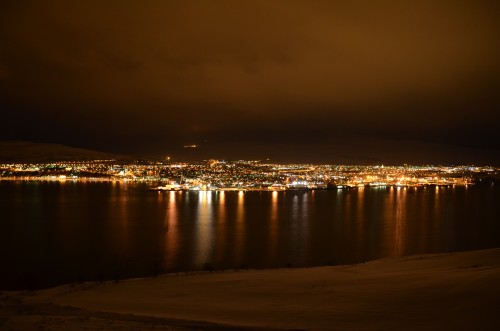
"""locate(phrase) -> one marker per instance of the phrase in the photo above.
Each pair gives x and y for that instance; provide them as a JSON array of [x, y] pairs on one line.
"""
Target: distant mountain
[[21, 151]]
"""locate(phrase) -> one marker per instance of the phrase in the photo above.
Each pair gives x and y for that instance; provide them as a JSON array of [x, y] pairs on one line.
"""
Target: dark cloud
[[151, 75]]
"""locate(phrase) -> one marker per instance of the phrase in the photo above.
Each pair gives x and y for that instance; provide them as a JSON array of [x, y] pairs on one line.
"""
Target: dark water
[[62, 232]]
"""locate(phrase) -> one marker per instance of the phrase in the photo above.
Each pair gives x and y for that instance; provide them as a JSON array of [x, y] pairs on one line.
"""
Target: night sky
[[306, 81]]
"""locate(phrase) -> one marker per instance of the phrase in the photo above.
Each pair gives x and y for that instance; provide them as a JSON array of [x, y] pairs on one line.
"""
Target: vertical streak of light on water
[[399, 221], [304, 224], [172, 230], [359, 223], [221, 229], [389, 215], [272, 253], [240, 229], [204, 229], [122, 199]]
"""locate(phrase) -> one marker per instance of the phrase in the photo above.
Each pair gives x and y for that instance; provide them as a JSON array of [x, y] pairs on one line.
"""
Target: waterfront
[[64, 232], [248, 175]]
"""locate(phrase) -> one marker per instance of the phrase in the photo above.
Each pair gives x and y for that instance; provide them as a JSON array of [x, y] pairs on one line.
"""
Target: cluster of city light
[[248, 175]]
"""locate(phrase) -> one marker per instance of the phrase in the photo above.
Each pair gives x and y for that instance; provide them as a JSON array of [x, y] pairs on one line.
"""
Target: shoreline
[[56, 179], [434, 291]]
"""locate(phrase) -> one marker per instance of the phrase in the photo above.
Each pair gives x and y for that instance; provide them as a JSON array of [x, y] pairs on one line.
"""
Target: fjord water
[[64, 232]]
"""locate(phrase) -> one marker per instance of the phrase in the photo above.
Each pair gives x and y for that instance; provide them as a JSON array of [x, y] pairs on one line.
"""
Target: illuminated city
[[249, 175]]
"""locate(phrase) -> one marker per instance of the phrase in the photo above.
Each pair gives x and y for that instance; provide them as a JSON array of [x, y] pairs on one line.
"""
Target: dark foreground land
[[456, 291]]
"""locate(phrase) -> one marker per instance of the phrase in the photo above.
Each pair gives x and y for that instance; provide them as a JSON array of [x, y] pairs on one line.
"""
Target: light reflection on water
[[272, 237], [239, 230], [52, 233], [171, 229]]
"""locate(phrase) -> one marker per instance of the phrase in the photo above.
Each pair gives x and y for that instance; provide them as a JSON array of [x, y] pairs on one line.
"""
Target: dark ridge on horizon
[[25, 151]]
